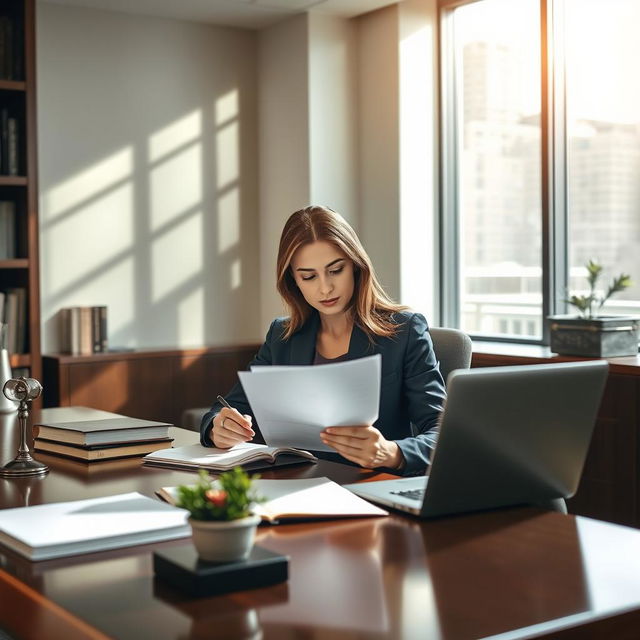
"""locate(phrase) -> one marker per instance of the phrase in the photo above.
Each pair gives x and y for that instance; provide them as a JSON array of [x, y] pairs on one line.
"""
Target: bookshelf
[[19, 262]]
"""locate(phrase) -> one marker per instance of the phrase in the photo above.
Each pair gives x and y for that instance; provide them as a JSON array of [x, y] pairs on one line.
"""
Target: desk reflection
[[336, 577], [516, 582]]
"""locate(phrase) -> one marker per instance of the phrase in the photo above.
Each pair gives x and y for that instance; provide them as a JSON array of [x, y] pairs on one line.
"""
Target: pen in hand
[[224, 403]]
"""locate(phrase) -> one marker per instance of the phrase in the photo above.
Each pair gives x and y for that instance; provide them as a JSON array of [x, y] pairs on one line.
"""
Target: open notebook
[[249, 455], [301, 499]]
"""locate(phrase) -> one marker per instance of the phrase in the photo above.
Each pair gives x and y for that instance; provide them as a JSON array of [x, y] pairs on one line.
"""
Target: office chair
[[453, 349]]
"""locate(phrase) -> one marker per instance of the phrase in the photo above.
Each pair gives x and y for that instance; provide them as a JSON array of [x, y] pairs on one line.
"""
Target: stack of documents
[[292, 405], [84, 526]]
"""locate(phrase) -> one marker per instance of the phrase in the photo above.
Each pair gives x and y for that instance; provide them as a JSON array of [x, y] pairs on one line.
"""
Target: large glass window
[[498, 118], [603, 142], [497, 63]]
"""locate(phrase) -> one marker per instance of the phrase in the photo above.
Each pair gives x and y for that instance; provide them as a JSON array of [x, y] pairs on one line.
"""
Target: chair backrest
[[453, 349]]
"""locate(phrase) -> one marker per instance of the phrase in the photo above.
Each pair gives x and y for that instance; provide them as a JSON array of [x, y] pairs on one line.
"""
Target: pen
[[224, 403]]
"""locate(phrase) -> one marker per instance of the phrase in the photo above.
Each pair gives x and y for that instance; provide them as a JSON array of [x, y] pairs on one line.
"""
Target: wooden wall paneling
[[608, 489], [200, 378], [137, 388]]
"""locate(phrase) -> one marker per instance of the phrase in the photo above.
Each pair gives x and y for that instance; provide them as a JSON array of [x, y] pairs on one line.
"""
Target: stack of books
[[84, 330], [102, 439]]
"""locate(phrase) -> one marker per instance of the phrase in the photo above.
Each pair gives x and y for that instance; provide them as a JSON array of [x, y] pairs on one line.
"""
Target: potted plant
[[592, 334], [222, 523]]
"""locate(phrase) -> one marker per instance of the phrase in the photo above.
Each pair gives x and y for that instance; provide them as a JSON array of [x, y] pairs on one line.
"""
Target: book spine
[[21, 327], [3, 44], [12, 146], [74, 333], [12, 320], [104, 336], [64, 322], [7, 230], [4, 142], [86, 342], [8, 66], [96, 338]]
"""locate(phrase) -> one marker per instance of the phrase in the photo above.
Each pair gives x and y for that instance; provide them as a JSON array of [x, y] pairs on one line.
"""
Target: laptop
[[508, 436]]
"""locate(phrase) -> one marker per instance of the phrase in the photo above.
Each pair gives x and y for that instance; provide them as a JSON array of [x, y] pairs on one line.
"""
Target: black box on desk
[[182, 568]]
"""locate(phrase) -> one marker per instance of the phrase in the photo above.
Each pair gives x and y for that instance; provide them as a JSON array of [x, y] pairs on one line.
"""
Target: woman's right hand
[[231, 427]]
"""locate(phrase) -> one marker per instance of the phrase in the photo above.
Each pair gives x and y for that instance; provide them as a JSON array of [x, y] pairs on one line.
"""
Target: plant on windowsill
[[222, 523], [592, 334]]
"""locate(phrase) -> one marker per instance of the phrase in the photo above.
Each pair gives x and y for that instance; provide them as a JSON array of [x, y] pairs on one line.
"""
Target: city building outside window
[[541, 158]]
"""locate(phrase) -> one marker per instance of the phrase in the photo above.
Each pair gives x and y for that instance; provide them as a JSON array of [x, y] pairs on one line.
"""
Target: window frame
[[553, 175]]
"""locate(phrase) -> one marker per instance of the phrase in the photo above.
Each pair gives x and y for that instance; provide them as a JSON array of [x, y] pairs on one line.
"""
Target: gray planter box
[[602, 337]]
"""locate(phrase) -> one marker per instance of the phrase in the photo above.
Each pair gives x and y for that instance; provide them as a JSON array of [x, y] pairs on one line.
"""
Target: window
[[541, 158]]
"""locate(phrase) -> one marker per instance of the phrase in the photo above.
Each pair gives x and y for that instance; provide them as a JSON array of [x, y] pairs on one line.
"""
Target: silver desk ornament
[[24, 391]]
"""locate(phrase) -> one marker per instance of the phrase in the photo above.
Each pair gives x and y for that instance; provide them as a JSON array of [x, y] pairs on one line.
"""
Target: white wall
[[308, 130], [284, 144], [398, 149], [171, 154], [333, 113], [148, 176], [379, 144]]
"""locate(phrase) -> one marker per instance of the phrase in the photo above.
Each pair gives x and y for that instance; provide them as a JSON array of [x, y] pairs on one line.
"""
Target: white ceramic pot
[[224, 540]]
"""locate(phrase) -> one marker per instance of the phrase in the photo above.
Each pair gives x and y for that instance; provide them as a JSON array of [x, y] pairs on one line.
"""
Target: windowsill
[[488, 353]]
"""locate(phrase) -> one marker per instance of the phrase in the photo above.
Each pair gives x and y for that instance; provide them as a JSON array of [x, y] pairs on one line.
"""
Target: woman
[[338, 311]]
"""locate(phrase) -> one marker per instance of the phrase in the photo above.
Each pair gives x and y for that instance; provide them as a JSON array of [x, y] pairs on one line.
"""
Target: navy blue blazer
[[412, 390]]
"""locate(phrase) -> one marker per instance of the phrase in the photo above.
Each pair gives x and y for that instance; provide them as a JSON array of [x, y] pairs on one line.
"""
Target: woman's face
[[324, 276]]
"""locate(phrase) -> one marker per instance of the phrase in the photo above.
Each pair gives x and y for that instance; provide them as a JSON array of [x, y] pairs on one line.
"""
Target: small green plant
[[228, 498], [590, 305]]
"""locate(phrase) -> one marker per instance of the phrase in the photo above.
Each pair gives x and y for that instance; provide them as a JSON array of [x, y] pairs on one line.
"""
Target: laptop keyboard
[[412, 494]]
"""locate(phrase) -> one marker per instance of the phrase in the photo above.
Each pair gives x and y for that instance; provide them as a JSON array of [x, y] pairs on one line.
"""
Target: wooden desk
[[397, 577]]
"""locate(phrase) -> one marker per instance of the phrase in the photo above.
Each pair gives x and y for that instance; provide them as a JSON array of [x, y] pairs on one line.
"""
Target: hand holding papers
[[292, 404]]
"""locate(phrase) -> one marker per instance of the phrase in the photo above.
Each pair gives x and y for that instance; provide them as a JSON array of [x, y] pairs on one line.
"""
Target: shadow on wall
[[144, 209]]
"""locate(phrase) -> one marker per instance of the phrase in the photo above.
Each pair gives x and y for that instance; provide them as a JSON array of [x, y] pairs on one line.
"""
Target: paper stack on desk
[[84, 526], [293, 404]]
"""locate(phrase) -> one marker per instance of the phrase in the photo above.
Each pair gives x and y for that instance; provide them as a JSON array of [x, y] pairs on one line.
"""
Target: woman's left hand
[[364, 445]]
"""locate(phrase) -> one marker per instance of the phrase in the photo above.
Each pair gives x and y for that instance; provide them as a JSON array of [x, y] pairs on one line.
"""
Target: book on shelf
[[83, 330], [91, 453], [103, 431], [245, 454], [84, 526], [300, 499], [14, 303], [8, 248], [13, 141]]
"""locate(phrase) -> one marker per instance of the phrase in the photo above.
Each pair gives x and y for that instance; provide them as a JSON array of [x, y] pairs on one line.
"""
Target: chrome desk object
[[23, 390]]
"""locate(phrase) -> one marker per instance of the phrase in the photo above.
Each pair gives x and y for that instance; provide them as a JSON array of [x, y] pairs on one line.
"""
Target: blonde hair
[[371, 307]]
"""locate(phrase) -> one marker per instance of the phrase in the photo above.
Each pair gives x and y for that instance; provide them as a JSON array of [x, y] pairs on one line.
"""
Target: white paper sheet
[[83, 526], [292, 404]]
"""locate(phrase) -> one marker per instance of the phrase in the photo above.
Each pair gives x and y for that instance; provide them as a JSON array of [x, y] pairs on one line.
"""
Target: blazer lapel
[[359, 345], [303, 341]]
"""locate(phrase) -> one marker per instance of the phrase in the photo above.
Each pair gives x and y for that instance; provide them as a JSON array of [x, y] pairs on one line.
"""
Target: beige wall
[[284, 144], [171, 154], [148, 176]]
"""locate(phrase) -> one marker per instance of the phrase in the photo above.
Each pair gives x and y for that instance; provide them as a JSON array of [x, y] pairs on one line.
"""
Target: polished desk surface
[[513, 573]]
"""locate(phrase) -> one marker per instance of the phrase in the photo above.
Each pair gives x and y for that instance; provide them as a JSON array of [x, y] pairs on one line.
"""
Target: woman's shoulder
[[406, 318], [277, 328]]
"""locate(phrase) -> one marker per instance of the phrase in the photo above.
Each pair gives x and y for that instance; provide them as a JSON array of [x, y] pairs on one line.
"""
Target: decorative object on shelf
[[6, 405], [24, 391], [590, 334], [221, 520]]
